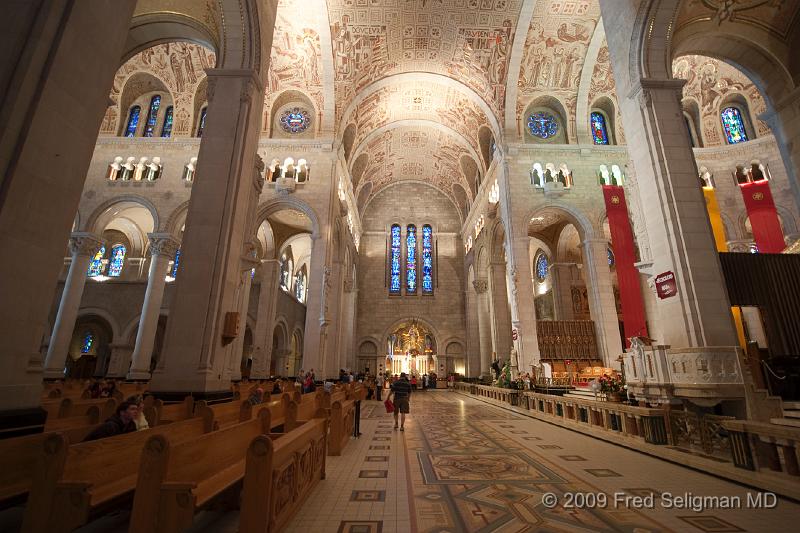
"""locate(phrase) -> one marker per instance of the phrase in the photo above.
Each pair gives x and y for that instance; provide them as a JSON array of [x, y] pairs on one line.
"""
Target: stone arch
[[290, 202], [486, 143], [554, 106], [176, 220], [105, 315], [571, 214], [394, 325], [293, 97], [151, 27], [93, 219], [691, 112], [135, 87], [358, 169]]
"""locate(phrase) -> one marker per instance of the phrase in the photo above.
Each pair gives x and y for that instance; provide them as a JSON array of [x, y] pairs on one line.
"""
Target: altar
[[411, 348]]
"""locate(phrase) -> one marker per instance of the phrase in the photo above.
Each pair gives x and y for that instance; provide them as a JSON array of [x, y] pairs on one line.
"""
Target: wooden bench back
[[342, 424], [157, 413], [70, 407], [280, 474], [87, 468], [92, 417], [228, 413], [189, 463]]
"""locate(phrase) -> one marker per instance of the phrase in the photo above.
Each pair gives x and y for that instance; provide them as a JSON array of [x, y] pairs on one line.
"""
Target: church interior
[[231, 229]]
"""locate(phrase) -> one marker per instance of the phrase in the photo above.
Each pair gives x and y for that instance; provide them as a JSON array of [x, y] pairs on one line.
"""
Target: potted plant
[[612, 386]]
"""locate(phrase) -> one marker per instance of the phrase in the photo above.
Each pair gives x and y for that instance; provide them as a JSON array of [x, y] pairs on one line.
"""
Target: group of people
[[306, 380], [127, 418], [100, 388]]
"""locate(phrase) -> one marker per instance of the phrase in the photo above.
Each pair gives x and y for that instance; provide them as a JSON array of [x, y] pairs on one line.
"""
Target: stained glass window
[[599, 131], [96, 265], [201, 124], [541, 267], [166, 129], [133, 121], [152, 116], [175, 264], [300, 286], [286, 273], [611, 259], [394, 261], [733, 124], [427, 259], [117, 260], [411, 259], [88, 341], [542, 125], [295, 120]]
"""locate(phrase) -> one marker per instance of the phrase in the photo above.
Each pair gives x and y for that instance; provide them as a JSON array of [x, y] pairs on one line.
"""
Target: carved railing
[[700, 432]]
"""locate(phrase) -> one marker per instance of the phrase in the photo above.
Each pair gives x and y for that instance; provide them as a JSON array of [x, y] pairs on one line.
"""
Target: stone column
[[83, 246], [262, 333], [248, 262], [346, 348], [121, 354], [674, 213], [472, 357], [501, 316], [602, 306], [162, 249], [561, 275], [46, 145], [481, 287], [784, 121], [218, 224], [523, 310]]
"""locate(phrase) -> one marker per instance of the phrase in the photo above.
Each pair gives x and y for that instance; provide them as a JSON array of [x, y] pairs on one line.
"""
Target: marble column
[[197, 349], [83, 247], [602, 305], [262, 333], [46, 145], [162, 249], [481, 287], [674, 213]]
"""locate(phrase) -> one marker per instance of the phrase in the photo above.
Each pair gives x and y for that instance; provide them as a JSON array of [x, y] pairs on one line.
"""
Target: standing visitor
[[400, 396]]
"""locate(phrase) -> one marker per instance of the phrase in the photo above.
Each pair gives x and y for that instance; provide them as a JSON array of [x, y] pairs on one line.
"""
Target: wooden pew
[[19, 457], [280, 474], [70, 407], [195, 472], [342, 423], [72, 481], [91, 418], [158, 414], [228, 413]]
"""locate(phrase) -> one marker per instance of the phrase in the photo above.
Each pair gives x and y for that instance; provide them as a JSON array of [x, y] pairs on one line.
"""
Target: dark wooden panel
[[566, 339]]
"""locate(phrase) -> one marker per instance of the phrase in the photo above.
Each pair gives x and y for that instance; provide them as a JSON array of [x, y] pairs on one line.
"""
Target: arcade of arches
[[235, 190]]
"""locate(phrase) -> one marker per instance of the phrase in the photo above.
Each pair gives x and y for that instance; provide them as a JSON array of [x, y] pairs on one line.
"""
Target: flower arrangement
[[611, 384]]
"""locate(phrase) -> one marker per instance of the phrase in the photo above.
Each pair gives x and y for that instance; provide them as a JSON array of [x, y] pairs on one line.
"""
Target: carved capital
[[163, 244], [480, 285], [84, 243], [250, 255], [648, 89]]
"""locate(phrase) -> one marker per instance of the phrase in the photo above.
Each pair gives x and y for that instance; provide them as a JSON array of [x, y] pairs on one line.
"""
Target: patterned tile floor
[[464, 465]]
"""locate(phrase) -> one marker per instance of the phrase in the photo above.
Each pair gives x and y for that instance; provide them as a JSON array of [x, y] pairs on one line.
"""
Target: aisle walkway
[[465, 466]]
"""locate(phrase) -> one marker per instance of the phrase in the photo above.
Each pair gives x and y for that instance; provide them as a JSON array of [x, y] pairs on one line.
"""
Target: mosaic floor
[[465, 466]]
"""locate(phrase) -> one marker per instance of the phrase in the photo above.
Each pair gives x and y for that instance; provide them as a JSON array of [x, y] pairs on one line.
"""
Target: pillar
[[46, 144], [501, 317], [481, 287], [674, 213], [83, 246], [562, 276], [219, 227], [121, 354], [244, 304], [784, 122], [262, 333], [602, 305], [162, 249]]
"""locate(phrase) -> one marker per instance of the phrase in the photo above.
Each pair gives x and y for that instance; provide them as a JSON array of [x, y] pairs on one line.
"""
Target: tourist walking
[[401, 395]]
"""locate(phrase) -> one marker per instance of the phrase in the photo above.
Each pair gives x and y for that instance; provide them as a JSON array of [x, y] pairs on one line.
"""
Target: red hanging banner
[[763, 217], [625, 256]]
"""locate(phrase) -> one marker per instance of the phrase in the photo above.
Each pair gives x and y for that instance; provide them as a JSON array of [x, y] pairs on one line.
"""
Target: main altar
[[411, 348]]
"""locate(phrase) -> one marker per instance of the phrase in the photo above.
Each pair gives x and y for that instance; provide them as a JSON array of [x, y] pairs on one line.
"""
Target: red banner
[[763, 217], [625, 256]]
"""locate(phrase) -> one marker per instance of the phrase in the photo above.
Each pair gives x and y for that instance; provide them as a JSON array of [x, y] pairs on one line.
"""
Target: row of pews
[[266, 458]]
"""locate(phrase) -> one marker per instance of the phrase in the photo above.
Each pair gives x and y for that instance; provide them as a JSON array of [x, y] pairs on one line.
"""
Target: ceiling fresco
[[775, 16]]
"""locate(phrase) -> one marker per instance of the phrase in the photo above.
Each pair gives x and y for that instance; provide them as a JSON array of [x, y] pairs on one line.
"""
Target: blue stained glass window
[[733, 124], [427, 259], [133, 121], [117, 260], [541, 267], [202, 122], [88, 341], [174, 273], [599, 131], [394, 261], [166, 129], [411, 259], [96, 265], [295, 120], [152, 116], [611, 259], [542, 125]]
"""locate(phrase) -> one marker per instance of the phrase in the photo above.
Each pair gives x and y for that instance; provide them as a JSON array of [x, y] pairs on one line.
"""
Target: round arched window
[[542, 265], [542, 125], [295, 120]]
